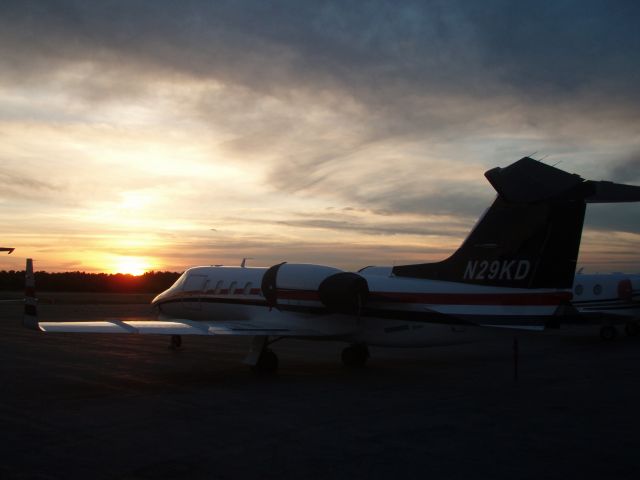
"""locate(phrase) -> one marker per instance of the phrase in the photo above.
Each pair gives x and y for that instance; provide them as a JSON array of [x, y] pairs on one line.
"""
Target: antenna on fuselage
[[244, 261]]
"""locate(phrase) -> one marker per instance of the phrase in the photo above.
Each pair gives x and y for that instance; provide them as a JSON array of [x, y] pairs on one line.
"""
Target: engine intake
[[344, 292]]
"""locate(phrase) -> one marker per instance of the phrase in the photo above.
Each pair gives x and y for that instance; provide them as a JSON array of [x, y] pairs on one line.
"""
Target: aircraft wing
[[172, 327]]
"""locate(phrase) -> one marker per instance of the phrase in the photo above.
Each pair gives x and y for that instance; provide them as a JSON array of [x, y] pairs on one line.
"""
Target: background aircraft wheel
[[355, 355], [267, 363], [631, 329], [608, 332], [175, 342]]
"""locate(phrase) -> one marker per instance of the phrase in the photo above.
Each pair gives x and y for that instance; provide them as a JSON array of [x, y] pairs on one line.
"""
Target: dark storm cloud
[[362, 47]]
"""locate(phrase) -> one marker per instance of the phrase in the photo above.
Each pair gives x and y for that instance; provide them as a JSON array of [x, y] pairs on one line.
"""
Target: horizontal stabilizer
[[610, 192], [531, 181]]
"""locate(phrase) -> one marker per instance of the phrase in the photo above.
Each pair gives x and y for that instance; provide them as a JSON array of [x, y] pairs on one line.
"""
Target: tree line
[[149, 282]]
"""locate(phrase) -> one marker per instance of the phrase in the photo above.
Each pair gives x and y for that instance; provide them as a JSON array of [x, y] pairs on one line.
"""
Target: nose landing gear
[[355, 356], [267, 362], [175, 342]]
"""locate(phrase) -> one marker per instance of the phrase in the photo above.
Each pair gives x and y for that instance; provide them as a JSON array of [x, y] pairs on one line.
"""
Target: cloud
[[16, 185], [390, 108], [627, 170]]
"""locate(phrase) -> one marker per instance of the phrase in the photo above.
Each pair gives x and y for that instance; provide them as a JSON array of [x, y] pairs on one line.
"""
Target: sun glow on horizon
[[131, 265]]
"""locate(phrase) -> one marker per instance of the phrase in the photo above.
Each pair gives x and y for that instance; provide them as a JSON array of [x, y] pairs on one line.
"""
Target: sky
[[138, 135]]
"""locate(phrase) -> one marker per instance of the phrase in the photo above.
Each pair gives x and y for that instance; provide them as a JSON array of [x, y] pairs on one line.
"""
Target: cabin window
[[247, 289], [232, 288], [218, 288], [597, 289], [578, 290]]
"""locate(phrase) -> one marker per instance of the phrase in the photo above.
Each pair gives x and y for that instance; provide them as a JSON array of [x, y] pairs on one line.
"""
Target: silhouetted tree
[[150, 282]]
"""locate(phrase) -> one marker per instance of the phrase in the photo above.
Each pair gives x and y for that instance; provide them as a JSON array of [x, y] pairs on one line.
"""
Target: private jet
[[514, 271], [610, 300]]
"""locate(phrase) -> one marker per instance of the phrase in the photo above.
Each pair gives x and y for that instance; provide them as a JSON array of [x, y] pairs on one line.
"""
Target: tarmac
[[127, 407]]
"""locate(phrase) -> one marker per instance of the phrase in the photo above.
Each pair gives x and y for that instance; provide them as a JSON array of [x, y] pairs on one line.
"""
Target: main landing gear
[[355, 356], [175, 342], [262, 359], [632, 329], [609, 332]]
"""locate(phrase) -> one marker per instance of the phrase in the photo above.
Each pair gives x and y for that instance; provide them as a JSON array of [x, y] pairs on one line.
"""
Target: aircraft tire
[[267, 363], [608, 333], [176, 342], [631, 329], [355, 356]]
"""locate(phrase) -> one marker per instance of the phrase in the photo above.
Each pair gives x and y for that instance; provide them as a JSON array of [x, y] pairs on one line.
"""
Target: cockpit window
[[176, 285], [194, 283]]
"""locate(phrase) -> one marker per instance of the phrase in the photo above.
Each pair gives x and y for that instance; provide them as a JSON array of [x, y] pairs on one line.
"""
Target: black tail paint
[[530, 236]]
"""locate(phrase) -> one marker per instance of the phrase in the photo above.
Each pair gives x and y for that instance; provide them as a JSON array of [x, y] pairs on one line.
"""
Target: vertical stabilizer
[[530, 236]]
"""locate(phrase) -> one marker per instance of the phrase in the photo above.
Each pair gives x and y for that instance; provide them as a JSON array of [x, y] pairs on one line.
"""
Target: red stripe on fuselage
[[554, 298], [474, 298]]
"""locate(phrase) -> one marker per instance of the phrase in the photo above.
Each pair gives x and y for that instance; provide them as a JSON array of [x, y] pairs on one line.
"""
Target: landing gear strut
[[260, 358], [175, 342], [631, 329], [267, 362], [355, 355], [608, 332]]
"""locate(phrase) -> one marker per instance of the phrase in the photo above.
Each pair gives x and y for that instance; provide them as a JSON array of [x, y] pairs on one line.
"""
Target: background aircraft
[[9, 250], [609, 299], [514, 271]]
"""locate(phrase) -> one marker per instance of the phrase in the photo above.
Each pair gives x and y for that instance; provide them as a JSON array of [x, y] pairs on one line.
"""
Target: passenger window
[[247, 289], [597, 289], [232, 288], [218, 287], [578, 290]]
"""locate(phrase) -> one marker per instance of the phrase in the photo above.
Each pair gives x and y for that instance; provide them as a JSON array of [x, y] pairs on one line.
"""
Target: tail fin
[[30, 319], [530, 236]]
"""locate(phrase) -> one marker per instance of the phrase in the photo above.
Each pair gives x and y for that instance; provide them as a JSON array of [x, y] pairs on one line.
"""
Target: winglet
[[30, 319]]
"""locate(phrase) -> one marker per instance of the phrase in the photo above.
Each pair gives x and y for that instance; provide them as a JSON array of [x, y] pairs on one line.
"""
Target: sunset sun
[[131, 265]]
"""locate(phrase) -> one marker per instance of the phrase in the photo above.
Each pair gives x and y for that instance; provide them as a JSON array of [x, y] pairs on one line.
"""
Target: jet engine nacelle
[[344, 292], [314, 285]]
